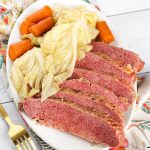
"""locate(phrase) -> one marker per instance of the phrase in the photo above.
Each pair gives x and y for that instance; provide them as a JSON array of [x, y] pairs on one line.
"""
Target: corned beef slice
[[75, 120], [119, 88], [124, 56], [101, 65], [92, 102], [80, 85], [92, 88]]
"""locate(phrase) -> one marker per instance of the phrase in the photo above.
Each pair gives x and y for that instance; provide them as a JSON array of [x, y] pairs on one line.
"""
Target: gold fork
[[18, 133]]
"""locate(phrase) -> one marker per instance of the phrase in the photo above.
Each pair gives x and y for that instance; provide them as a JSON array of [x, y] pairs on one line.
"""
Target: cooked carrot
[[105, 34], [40, 14], [18, 49], [24, 27], [42, 26]]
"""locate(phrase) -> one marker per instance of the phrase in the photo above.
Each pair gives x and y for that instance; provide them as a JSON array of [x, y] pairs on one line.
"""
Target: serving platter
[[56, 138]]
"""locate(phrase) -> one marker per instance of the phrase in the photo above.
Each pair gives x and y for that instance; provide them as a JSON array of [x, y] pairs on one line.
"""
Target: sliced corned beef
[[124, 56], [115, 85], [127, 68], [75, 120], [85, 86], [101, 65], [93, 103]]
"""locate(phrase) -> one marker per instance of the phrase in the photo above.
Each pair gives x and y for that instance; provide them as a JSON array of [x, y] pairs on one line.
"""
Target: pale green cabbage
[[45, 68]]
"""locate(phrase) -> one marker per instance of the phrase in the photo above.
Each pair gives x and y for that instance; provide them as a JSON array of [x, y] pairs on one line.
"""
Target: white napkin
[[137, 138]]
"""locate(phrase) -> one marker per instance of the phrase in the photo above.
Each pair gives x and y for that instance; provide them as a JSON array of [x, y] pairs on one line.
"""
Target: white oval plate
[[56, 138]]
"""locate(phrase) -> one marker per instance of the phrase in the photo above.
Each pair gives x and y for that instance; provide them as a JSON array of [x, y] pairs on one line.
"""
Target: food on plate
[[125, 58], [38, 23], [70, 81], [60, 48], [93, 102], [104, 96], [81, 20], [28, 71], [34, 40], [76, 14], [100, 64], [76, 119], [24, 27], [42, 26], [113, 84], [79, 85], [105, 34], [40, 14], [19, 48]]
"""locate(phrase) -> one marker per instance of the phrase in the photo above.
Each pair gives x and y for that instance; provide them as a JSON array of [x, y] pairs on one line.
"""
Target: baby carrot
[[24, 27], [18, 49], [40, 14], [105, 34], [42, 26]]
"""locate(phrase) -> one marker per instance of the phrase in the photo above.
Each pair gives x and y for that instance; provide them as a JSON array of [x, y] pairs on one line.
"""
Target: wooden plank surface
[[115, 7], [4, 97], [134, 29]]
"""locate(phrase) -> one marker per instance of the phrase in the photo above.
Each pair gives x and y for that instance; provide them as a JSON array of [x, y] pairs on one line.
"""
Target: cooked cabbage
[[76, 14], [44, 69], [34, 40], [28, 71]]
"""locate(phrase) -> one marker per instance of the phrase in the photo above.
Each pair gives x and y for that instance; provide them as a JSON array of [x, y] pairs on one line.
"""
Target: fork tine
[[18, 133], [24, 143], [29, 141], [19, 145]]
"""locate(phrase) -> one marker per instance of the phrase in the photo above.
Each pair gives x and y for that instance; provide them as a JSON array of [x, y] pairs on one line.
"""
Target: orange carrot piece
[[42, 26], [18, 49], [40, 14], [24, 27], [105, 34]]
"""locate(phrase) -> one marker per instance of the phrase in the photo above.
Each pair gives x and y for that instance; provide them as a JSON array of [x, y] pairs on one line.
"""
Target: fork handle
[[5, 115]]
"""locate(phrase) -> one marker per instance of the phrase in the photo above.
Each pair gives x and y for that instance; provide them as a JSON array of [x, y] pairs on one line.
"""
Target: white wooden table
[[132, 19]]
